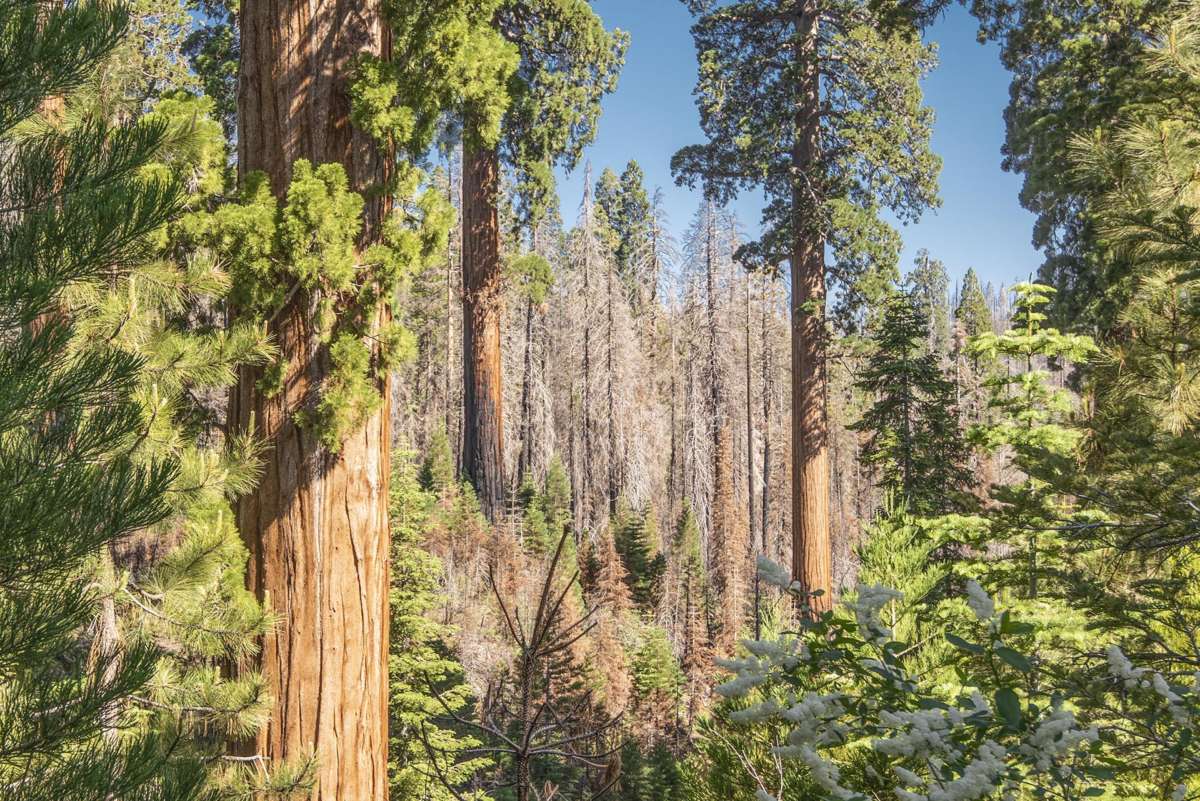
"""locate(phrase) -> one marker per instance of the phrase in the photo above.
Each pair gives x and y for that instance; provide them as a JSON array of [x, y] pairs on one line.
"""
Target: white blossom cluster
[[980, 602], [1121, 669], [942, 742], [1054, 739], [776, 574], [869, 601]]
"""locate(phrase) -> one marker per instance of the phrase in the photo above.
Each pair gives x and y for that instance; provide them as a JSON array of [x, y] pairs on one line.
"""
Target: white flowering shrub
[[835, 701]]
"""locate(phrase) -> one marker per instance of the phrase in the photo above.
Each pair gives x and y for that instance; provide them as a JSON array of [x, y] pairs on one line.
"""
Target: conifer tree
[[972, 312], [80, 210], [1032, 420], [692, 616], [557, 62], [915, 440], [636, 540], [627, 210], [333, 214], [423, 673], [788, 93], [1054, 51], [928, 285]]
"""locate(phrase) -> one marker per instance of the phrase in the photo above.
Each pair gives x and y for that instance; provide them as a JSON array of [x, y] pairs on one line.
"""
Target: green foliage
[[1076, 67], [420, 663], [437, 471], [835, 710], [547, 513], [72, 484], [308, 246], [972, 312], [915, 441], [873, 151], [567, 63], [652, 774], [636, 537], [927, 285]]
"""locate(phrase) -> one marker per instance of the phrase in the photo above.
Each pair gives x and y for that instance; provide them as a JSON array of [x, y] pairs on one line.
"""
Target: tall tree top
[[874, 126], [567, 62]]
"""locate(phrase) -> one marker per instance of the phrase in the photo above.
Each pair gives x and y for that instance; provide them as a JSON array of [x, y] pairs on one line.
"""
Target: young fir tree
[[79, 211], [915, 441], [423, 754], [1030, 419], [790, 93], [556, 61], [636, 538]]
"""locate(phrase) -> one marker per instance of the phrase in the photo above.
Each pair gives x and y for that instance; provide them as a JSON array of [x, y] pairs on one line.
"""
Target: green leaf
[[1014, 658], [959, 642], [1009, 707]]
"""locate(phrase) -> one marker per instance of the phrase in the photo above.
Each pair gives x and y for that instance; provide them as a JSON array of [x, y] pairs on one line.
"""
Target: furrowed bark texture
[[483, 307], [811, 547], [317, 524]]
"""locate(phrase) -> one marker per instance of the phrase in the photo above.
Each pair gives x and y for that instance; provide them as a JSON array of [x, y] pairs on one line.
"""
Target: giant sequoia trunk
[[316, 525], [811, 548], [483, 401]]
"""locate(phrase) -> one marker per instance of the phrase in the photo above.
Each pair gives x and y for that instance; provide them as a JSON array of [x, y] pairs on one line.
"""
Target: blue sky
[[980, 223]]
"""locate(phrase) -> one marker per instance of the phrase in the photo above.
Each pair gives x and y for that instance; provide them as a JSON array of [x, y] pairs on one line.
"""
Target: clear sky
[[980, 223]]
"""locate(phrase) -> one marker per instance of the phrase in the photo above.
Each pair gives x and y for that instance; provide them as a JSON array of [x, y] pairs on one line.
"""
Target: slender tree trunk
[[526, 404], [316, 525], [767, 390], [811, 547], [614, 469], [483, 306]]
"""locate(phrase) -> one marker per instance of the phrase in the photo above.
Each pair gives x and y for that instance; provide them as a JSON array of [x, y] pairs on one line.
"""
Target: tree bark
[[811, 547], [483, 307], [316, 525]]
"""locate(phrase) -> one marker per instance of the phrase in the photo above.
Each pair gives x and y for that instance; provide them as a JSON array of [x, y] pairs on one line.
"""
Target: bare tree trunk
[[811, 547], [526, 405], [316, 526], [767, 390], [483, 306], [614, 480]]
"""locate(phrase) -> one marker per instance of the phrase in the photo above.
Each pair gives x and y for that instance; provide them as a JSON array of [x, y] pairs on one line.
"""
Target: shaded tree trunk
[[316, 525], [811, 547], [483, 307]]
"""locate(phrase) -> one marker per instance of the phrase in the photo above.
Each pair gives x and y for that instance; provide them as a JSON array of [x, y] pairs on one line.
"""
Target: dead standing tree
[[529, 715]]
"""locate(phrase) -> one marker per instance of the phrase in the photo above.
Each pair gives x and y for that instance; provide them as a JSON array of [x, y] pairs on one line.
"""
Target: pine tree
[[1054, 50], [772, 85], [79, 211], [915, 441], [180, 584]]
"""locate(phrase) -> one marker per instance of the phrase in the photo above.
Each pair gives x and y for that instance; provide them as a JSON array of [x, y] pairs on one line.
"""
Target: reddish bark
[[316, 525], [483, 308], [811, 548]]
